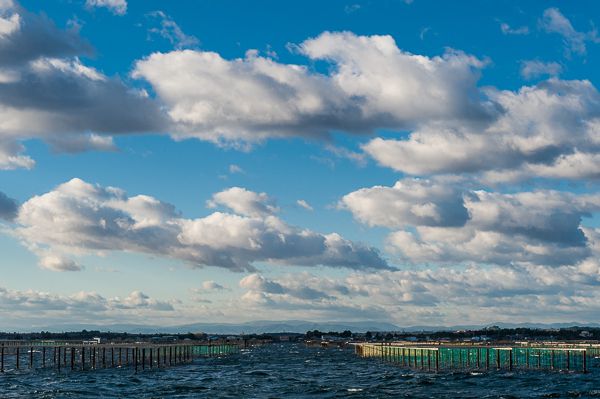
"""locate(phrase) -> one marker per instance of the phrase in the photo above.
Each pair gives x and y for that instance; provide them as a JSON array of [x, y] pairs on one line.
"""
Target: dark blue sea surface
[[293, 371]]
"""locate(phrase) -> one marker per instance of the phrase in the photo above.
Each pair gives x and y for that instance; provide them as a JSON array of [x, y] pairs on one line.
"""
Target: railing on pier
[[15, 355], [437, 358]]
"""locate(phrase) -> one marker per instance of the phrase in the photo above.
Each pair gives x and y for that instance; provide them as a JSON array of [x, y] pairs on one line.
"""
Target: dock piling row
[[91, 357], [458, 357]]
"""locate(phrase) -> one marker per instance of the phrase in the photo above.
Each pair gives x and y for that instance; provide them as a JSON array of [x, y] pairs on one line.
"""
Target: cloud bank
[[446, 296], [31, 308], [78, 218], [437, 222], [548, 130]]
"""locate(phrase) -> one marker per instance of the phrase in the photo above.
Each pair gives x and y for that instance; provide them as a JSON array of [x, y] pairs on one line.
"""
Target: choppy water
[[293, 371]]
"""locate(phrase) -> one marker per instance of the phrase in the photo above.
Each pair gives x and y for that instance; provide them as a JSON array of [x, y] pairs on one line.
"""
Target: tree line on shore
[[490, 333]]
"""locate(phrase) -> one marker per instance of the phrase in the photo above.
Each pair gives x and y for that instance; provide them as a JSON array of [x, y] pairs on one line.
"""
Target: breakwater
[[63, 355], [437, 356]]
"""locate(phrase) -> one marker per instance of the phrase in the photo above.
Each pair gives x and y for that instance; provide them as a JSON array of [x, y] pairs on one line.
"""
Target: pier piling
[[71, 356], [437, 357]]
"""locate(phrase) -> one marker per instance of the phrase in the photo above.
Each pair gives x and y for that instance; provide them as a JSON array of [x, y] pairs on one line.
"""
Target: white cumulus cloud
[[534, 68], [437, 223], [553, 21], [509, 30], [168, 29], [372, 84], [244, 202], [48, 93], [303, 204], [548, 130], [117, 7]]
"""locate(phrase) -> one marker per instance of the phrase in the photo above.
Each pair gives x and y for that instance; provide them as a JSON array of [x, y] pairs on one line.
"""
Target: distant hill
[[291, 326], [254, 327]]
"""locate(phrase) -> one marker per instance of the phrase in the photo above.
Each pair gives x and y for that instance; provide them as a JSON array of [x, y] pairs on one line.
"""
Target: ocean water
[[294, 371]]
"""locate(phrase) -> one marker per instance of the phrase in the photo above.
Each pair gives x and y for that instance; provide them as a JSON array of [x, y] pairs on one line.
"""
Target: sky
[[415, 162]]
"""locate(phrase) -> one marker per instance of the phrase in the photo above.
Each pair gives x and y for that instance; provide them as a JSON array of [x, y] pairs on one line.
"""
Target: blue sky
[[337, 160]]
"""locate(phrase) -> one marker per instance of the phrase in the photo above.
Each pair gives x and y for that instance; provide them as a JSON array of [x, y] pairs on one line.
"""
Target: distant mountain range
[[291, 326]]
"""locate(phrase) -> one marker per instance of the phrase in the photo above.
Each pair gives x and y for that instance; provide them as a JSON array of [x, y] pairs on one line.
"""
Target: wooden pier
[[440, 357], [71, 356]]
